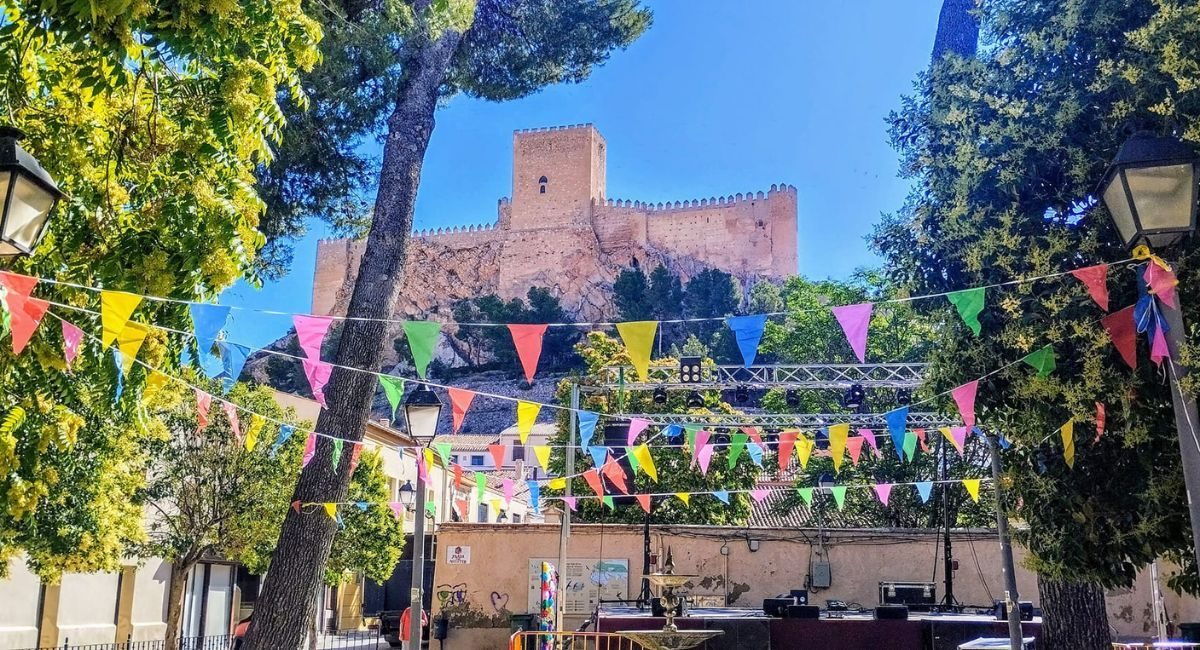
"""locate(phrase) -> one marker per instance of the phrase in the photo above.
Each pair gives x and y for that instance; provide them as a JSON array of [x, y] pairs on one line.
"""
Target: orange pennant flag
[[528, 341], [460, 401], [593, 481], [497, 452], [615, 473], [25, 320], [854, 445], [644, 499], [787, 443]]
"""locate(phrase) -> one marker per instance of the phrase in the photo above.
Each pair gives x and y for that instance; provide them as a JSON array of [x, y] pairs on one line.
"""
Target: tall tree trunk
[[179, 573], [1074, 616], [304, 542]]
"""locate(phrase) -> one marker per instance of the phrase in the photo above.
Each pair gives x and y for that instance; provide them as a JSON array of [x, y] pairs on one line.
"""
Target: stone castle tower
[[561, 230]]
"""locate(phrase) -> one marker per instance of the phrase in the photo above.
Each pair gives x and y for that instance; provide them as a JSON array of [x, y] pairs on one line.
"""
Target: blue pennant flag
[[1005, 443], [587, 428], [534, 495], [748, 331], [599, 455], [925, 488], [120, 360], [233, 359], [897, 422], [362, 505], [756, 453], [673, 432], [207, 323], [723, 495], [285, 432]]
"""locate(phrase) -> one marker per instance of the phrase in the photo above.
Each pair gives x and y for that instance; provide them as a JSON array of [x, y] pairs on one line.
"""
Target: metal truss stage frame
[[795, 420], [801, 376]]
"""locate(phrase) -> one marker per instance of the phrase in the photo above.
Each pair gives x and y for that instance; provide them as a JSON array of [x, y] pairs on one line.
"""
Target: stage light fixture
[[855, 396], [792, 397], [904, 396], [741, 395], [660, 395], [694, 400], [689, 370]]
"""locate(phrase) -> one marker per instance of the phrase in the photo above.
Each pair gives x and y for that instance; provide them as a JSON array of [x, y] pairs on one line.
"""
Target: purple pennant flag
[[854, 320]]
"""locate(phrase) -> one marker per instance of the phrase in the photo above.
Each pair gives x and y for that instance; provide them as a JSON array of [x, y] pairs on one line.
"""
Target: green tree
[[151, 117], [493, 49], [1005, 151], [495, 344], [631, 295]]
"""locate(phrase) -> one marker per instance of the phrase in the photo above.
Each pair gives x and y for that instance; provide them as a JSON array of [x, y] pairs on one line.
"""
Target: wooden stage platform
[[748, 629]]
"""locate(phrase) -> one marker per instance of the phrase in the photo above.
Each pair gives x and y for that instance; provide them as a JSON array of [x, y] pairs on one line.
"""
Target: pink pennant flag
[[759, 494], [883, 491], [72, 336], [570, 501], [528, 341], [232, 415], [310, 332], [318, 373], [460, 401], [636, 426], [854, 446], [964, 397], [702, 437], [24, 320], [855, 320], [958, 436], [508, 491], [1100, 417], [1159, 349], [422, 471], [1162, 283], [310, 450], [397, 509], [705, 457], [869, 436], [497, 452], [644, 501], [1095, 278], [203, 401]]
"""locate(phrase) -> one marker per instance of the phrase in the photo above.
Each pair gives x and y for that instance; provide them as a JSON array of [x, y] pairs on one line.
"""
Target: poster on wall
[[585, 583], [458, 555]]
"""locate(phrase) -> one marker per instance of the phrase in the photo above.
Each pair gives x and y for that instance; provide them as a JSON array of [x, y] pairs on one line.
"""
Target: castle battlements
[[547, 129], [692, 204]]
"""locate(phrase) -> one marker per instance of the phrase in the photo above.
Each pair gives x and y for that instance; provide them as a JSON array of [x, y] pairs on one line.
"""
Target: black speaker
[[811, 612], [1025, 607], [801, 596], [777, 606], [657, 609], [891, 613]]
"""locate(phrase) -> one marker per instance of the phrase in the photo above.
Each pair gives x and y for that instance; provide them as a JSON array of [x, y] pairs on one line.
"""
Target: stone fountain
[[670, 637]]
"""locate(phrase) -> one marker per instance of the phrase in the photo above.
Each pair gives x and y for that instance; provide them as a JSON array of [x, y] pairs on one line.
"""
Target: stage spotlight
[[904, 396], [694, 400], [741, 395], [689, 370], [660, 395], [792, 398], [855, 396]]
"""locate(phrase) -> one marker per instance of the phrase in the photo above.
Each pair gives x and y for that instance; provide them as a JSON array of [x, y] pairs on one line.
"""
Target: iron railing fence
[[341, 640]]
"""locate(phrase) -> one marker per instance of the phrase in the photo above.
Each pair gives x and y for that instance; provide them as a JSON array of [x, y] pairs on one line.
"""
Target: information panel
[[585, 583]]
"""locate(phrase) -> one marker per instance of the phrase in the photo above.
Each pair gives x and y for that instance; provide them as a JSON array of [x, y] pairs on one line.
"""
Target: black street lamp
[[29, 194], [1150, 190], [422, 409], [407, 494]]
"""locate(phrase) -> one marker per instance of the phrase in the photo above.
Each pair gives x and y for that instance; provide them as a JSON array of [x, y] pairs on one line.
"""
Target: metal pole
[[947, 549], [1185, 420], [418, 566], [1012, 599], [564, 529]]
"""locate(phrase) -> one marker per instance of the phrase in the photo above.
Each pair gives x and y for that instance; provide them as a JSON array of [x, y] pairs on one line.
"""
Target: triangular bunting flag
[[285, 433], [231, 414], [684, 497], [527, 413], [1123, 332], [252, 431], [645, 461], [964, 397], [233, 359], [787, 443], [1042, 360], [393, 389], [310, 334], [593, 480], [27, 315], [883, 491], [615, 473], [542, 454], [972, 485], [507, 484], [331, 510], [535, 495], [337, 453], [957, 436], [855, 320], [969, 303], [115, 309], [869, 436], [571, 502], [636, 427], [1068, 438], [318, 373], [897, 422], [458, 477], [497, 452], [722, 496], [608, 501], [422, 339], [633, 463], [461, 506], [557, 484], [806, 493], [838, 433], [1162, 283], [644, 500], [587, 428], [638, 337], [1100, 418], [854, 448], [1095, 278], [924, 489], [1158, 347], [528, 341], [72, 336], [759, 494], [736, 447], [207, 323], [755, 452], [910, 445], [443, 450], [310, 450], [599, 455], [747, 331], [804, 449], [480, 485], [839, 495], [460, 402], [203, 401], [704, 458], [129, 341]]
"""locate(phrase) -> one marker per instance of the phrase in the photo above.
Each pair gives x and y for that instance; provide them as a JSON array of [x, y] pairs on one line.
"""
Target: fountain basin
[[669, 639]]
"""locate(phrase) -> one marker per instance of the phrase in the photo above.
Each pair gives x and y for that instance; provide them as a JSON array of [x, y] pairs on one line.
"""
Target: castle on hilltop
[[561, 230]]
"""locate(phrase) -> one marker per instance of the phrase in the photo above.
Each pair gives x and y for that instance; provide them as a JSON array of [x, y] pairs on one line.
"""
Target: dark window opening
[[542, 184]]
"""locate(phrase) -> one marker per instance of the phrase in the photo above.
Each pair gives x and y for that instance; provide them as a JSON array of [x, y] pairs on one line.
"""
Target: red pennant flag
[[1095, 278], [964, 397], [593, 480], [497, 452], [460, 401], [787, 443], [25, 320], [355, 452], [644, 499], [1100, 418], [528, 341], [1123, 332], [461, 506], [854, 446], [203, 401], [17, 284], [921, 439], [296, 506], [614, 473], [231, 414], [458, 477]]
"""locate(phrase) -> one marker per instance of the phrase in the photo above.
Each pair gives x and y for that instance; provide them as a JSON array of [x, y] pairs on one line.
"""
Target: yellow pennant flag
[[331, 510], [129, 341], [428, 460], [972, 485], [838, 433], [804, 449], [557, 484], [252, 431], [494, 504], [527, 413], [684, 497], [542, 453], [642, 454], [1068, 438], [639, 339], [115, 309], [154, 383]]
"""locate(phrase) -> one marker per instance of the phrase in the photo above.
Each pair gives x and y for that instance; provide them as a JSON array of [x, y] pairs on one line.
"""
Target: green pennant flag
[[443, 450], [431, 508], [969, 303], [337, 453], [393, 387], [806, 494], [633, 461], [690, 430], [1042, 360], [480, 484], [608, 501], [422, 338], [910, 445], [839, 495], [735, 449]]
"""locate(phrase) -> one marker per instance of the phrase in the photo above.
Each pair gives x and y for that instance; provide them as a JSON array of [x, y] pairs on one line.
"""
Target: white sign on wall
[[584, 583], [458, 555]]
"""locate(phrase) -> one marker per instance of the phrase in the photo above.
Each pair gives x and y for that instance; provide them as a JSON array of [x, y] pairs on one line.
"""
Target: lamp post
[[422, 408], [27, 195], [1150, 191]]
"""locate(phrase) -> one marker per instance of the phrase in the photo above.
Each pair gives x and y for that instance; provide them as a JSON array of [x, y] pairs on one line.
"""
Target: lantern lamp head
[[1150, 190], [27, 196]]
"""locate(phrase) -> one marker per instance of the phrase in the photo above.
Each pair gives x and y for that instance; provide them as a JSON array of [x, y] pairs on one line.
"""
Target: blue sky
[[716, 98]]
